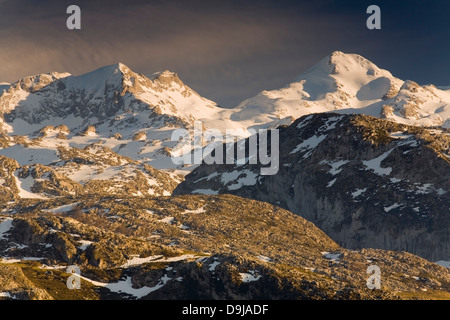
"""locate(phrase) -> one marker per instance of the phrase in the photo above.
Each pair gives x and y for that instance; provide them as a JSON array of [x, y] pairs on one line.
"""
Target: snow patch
[[126, 286], [199, 210], [358, 192], [157, 258], [205, 191], [336, 166], [24, 186], [250, 179], [249, 276], [309, 144], [84, 244], [264, 258], [64, 208], [331, 182], [168, 220], [400, 135], [375, 164], [394, 206], [213, 265], [5, 226], [331, 256], [443, 263], [6, 295]]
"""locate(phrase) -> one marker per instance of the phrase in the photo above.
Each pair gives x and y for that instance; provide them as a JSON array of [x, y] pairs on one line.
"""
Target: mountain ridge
[[366, 182]]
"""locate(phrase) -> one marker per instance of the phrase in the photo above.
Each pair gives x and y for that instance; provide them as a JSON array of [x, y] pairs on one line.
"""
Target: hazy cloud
[[226, 50]]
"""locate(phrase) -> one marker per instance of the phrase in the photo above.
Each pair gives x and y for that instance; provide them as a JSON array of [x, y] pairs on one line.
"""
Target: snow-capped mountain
[[94, 97], [349, 83], [107, 124], [110, 125], [87, 179]]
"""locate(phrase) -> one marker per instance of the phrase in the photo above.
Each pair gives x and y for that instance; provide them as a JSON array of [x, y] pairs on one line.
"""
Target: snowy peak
[[100, 94], [345, 63], [99, 80], [349, 83], [347, 74]]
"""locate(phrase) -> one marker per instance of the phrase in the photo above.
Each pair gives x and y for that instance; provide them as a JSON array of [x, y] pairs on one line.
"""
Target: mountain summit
[[97, 95], [349, 83]]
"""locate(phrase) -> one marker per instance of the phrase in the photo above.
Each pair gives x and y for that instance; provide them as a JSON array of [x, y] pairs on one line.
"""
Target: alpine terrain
[[88, 180]]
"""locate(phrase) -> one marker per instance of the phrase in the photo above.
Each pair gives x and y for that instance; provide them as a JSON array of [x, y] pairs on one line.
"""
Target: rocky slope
[[192, 247], [366, 182]]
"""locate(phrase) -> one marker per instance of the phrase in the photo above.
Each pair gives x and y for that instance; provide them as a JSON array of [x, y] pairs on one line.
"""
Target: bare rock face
[[366, 182]]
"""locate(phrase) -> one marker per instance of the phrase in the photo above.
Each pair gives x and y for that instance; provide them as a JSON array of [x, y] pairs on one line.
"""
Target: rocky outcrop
[[366, 182]]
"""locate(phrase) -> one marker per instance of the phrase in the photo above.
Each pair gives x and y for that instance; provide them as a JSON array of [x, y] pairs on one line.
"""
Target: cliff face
[[366, 182], [192, 247]]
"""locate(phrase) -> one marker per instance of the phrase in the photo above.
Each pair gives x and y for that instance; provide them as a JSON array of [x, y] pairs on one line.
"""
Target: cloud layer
[[226, 50]]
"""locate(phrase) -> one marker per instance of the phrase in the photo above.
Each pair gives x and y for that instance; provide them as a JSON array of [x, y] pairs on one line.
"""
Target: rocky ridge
[[366, 182]]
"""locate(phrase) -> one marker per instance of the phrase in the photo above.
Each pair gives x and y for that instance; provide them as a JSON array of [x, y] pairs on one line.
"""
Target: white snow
[[400, 135], [24, 186], [84, 244], [208, 177], [213, 265], [331, 256], [138, 261], [249, 179], [126, 286], [375, 164], [347, 84], [12, 260], [309, 144], [5, 226], [443, 263], [331, 182], [336, 166], [205, 191], [424, 189], [6, 295], [64, 208], [157, 258], [199, 210], [264, 258], [249, 276], [168, 220], [9, 260], [394, 206], [358, 192]]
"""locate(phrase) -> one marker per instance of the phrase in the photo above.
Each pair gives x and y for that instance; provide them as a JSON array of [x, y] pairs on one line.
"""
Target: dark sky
[[226, 50]]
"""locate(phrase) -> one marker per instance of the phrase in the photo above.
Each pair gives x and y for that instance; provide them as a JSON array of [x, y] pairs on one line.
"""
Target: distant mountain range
[[87, 178]]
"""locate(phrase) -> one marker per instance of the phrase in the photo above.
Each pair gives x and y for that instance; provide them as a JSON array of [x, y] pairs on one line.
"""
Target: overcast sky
[[225, 50]]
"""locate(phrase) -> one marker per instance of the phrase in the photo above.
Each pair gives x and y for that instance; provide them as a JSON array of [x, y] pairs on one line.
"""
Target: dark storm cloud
[[226, 50]]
